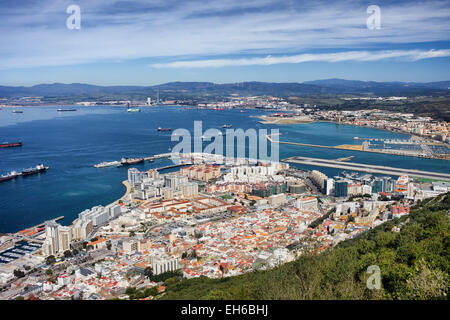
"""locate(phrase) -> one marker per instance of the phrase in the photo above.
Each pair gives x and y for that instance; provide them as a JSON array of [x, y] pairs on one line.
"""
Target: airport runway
[[368, 168]]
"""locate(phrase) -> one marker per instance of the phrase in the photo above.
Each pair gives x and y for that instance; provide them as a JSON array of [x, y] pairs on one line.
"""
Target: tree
[[130, 291], [19, 273], [198, 234], [151, 292], [49, 272], [50, 260], [148, 272], [67, 254]]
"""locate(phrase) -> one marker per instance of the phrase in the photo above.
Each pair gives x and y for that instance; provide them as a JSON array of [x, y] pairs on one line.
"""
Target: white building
[[307, 204], [161, 264]]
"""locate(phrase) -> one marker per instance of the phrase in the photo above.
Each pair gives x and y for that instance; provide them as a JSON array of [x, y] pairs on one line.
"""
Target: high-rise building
[[377, 185], [64, 238], [134, 176], [388, 184], [341, 188], [51, 244], [57, 238], [329, 186], [319, 179]]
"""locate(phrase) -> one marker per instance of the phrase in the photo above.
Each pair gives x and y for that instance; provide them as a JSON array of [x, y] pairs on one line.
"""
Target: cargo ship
[[38, 169], [164, 129], [107, 164], [10, 144], [9, 176], [128, 161], [62, 110]]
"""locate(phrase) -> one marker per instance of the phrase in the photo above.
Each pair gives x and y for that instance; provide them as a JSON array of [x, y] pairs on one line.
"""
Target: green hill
[[414, 264]]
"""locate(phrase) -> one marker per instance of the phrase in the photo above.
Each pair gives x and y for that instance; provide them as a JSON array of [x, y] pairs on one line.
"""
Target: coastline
[[293, 120], [128, 188]]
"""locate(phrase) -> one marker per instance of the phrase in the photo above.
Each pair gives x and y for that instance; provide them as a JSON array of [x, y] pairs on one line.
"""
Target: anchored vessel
[[107, 164], [62, 110], [9, 176], [38, 169], [127, 161], [164, 129], [227, 126], [17, 111], [10, 144]]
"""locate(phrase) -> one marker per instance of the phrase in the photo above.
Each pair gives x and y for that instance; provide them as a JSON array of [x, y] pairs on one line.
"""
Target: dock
[[174, 166], [154, 157], [370, 168]]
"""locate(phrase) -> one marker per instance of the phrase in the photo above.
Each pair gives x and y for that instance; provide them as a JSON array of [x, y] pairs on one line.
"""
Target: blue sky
[[157, 41]]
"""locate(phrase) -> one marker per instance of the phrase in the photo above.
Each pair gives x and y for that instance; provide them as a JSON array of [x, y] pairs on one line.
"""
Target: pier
[[158, 156], [152, 158], [368, 168], [174, 166]]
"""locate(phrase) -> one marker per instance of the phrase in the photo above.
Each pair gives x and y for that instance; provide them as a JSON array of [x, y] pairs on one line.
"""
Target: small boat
[[187, 108], [17, 111], [134, 110], [164, 129], [242, 111], [66, 110], [9, 176], [227, 126]]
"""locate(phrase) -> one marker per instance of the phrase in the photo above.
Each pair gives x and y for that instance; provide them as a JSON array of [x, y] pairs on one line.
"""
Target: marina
[[19, 249]]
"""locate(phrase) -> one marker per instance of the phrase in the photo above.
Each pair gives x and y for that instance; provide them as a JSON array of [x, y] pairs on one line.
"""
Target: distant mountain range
[[190, 89]]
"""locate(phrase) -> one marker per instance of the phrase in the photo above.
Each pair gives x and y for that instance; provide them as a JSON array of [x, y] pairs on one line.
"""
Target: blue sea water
[[72, 142]]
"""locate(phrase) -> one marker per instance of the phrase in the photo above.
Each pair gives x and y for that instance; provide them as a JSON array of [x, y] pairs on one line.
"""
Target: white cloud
[[411, 55], [34, 34]]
